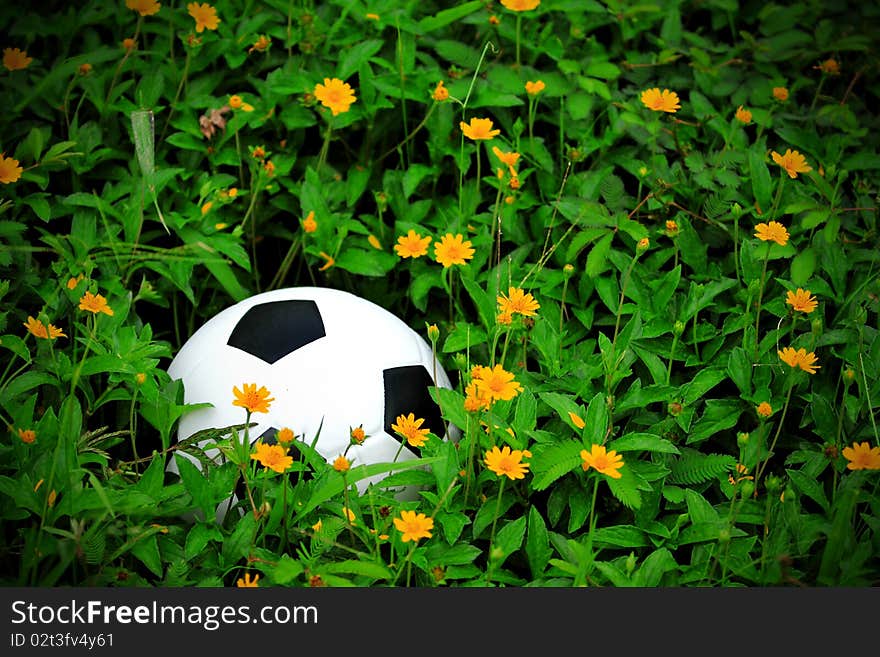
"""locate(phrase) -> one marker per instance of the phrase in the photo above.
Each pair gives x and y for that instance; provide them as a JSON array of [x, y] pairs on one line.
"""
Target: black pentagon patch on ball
[[406, 391], [270, 331]]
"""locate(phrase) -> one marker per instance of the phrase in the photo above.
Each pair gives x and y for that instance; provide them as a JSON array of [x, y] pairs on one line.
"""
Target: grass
[[672, 411]]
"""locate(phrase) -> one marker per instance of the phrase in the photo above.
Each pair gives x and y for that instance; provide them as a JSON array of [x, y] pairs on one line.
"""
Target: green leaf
[[439, 554], [484, 303], [657, 564], [597, 258], [739, 368], [369, 569], [447, 16], [239, 543], [196, 484], [199, 536], [802, 266], [550, 463], [625, 488], [147, 550], [283, 571], [648, 442], [810, 487], [538, 550], [759, 174], [509, 539], [699, 510], [596, 420]]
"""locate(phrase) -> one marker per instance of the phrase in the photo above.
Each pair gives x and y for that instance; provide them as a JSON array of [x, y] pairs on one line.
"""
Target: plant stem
[[492, 533]]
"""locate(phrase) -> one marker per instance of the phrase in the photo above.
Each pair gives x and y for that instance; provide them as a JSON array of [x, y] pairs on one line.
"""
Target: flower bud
[[724, 535], [747, 488], [774, 484], [742, 439], [630, 563], [433, 333], [678, 327], [736, 210], [674, 409]]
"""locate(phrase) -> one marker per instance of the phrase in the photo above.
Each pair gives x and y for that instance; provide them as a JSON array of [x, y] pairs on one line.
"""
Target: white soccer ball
[[330, 359]]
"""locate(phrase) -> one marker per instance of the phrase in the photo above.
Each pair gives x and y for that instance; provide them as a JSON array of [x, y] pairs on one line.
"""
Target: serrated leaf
[[551, 463], [647, 442]]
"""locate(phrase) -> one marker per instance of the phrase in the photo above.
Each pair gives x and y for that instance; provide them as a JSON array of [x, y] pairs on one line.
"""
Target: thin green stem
[[492, 532], [766, 460], [180, 86]]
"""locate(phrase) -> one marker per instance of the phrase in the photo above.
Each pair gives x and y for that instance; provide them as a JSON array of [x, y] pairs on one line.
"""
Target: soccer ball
[[331, 360]]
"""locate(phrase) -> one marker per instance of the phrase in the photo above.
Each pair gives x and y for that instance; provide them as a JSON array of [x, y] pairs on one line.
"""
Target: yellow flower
[[520, 5], [577, 420], [95, 303], [799, 358], [143, 7], [507, 158], [349, 514], [607, 463], [206, 208], [237, 102], [247, 582], [534, 88], [317, 526], [780, 94], [53, 495], [862, 456], [497, 383], [478, 129], [374, 242], [85, 69], [504, 318], [830, 67], [261, 44], [772, 232], [258, 153], [765, 409], [269, 167], [440, 92], [274, 457], [73, 281], [330, 261], [743, 115], [408, 427], [518, 301], [643, 244], [204, 15], [671, 228], [233, 192], [341, 464], [285, 436], [792, 161], [413, 526], [129, 44], [453, 250], [801, 300], [36, 328], [9, 170], [309, 223], [358, 435], [660, 101], [335, 94], [141, 378], [372, 17], [476, 399], [251, 399], [412, 245], [507, 462], [27, 435]]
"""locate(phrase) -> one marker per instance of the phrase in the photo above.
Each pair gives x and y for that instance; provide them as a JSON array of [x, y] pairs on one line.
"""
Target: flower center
[[506, 464]]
